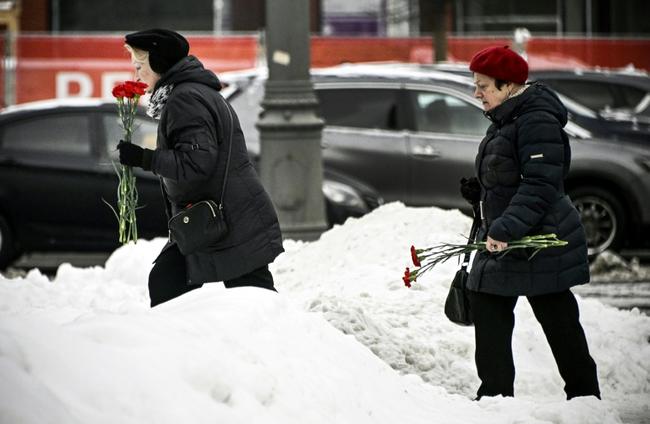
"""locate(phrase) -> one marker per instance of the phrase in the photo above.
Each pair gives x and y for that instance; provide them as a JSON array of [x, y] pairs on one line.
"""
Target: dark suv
[[412, 133], [56, 170]]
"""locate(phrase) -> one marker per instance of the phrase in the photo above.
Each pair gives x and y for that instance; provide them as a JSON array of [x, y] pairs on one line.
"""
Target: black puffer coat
[[521, 165], [190, 158]]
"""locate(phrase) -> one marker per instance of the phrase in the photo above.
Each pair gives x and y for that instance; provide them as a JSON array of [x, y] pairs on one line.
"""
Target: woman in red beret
[[520, 170], [200, 142]]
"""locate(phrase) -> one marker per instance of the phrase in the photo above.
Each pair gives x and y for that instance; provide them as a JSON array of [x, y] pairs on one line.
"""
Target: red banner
[[89, 66]]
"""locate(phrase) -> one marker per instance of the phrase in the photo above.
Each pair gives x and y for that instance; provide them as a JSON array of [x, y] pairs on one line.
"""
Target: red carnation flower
[[407, 278], [119, 91], [136, 88], [414, 257]]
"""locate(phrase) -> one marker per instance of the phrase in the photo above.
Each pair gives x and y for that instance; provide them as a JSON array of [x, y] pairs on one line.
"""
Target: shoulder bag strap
[[472, 236], [225, 175]]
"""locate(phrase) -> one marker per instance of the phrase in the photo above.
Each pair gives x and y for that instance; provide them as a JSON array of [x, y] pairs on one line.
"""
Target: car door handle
[[425, 151]]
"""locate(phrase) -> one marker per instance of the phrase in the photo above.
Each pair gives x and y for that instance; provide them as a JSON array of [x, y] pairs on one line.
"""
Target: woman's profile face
[[144, 73], [487, 92]]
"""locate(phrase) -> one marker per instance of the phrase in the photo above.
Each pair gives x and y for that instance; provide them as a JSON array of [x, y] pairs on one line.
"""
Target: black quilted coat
[[190, 159], [521, 165]]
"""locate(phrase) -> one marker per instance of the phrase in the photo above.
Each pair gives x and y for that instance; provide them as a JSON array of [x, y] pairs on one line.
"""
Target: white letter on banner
[[110, 79], [64, 79]]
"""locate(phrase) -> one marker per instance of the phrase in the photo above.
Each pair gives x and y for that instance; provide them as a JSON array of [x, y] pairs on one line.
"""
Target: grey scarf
[[158, 100]]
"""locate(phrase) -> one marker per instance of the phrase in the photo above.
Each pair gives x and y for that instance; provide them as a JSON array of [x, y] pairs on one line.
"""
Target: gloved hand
[[470, 189], [134, 155]]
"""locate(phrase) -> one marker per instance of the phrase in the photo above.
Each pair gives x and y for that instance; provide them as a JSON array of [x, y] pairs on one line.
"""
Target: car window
[[631, 96], [643, 108], [246, 103], [56, 133], [594, 95], [359, 107], [443, 113], [144, 134]]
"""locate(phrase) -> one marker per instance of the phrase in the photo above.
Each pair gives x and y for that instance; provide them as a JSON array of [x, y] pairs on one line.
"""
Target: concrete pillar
[[290, 129]]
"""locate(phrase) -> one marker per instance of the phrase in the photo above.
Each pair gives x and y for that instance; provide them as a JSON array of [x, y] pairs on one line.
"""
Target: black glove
[[470, 189], [134, 155]]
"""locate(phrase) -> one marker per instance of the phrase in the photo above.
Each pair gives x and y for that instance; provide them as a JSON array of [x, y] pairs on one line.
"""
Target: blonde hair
[[137, 54]]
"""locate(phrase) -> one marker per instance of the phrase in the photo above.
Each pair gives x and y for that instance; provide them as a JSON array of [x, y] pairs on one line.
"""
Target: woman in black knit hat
[[520, 169], [190, 159]]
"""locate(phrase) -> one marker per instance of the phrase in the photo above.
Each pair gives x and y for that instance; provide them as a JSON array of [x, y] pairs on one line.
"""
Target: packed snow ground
[[342, 342]]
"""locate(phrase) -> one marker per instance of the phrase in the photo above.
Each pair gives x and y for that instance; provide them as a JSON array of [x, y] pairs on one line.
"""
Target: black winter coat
[[521, 165], [190, 158]]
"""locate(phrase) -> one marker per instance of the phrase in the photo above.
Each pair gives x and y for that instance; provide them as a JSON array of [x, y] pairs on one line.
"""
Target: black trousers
[[167, 278], [558, 314]]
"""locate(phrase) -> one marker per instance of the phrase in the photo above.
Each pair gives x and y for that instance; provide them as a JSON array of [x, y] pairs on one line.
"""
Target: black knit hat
[[165, 47]]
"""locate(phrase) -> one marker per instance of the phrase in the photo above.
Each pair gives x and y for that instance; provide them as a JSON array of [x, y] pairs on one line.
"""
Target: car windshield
[[643, 108], [443, 113], [55, 133], [144, 133], [610, 99]]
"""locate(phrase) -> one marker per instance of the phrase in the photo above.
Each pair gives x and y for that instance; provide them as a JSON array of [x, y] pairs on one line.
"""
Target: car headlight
[[342, 194]]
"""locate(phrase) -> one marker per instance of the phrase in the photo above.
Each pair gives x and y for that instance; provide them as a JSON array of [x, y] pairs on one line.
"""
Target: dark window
[[246, 103], [631, 96], [442, 113], [594, 95], [144, 134], [67, 134], [644, 106], [359, 108]]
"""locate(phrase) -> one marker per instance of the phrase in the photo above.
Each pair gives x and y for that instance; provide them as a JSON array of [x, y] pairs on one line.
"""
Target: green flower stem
[[431, 256], [127, 193], [127, 200]]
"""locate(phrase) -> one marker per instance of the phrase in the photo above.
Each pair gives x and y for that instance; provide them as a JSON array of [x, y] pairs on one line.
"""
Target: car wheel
[[6, 244], [602, 216]]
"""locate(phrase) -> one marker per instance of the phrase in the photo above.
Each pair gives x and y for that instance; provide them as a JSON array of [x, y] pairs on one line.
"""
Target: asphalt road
[[620, 294]]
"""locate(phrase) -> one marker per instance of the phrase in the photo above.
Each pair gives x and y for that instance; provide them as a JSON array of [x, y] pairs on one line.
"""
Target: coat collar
[[509, 109]]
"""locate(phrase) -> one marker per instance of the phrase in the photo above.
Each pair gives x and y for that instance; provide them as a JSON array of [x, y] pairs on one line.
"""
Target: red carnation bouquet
[[127, 95], [427, 258]]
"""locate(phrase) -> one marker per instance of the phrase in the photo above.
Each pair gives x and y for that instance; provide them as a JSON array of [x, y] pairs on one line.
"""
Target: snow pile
[[343, 341]]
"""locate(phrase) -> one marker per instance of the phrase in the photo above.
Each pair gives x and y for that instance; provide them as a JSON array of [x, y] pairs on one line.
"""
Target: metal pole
[[10, 17], [440, 30], [56, 16], [588, 18], [291, 166], [10, 67], [217, 16], [460, 17], [558, 16]]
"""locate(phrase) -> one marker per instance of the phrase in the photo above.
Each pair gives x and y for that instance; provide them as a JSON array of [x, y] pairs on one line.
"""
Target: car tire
[[603, 217], [6, 244]]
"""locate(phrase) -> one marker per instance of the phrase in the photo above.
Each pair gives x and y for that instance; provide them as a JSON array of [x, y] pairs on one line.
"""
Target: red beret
[[500, 63]]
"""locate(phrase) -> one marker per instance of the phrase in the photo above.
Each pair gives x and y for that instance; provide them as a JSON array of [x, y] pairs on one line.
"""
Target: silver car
[[411, 134]]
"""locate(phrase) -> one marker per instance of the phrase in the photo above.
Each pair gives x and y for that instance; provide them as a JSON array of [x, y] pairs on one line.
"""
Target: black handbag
[[202, 224], [457, 303]]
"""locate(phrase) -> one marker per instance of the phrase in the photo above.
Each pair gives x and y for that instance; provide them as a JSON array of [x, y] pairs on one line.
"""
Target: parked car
[[411, 133], [607, 102], [612, 103], [57, 170]]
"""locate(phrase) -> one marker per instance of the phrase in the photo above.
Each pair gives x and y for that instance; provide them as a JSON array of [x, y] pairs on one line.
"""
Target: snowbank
[[342, 342]]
